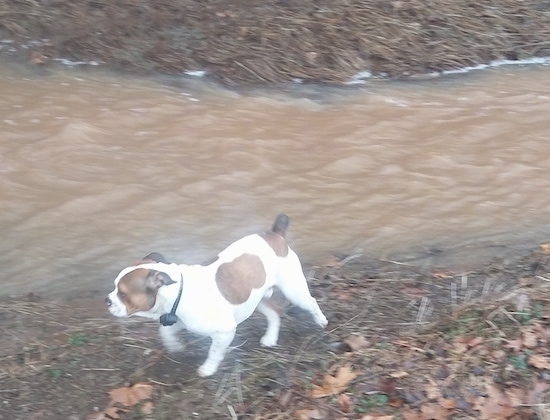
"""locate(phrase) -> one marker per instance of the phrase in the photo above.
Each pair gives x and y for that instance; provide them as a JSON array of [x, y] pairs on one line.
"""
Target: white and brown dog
[[215, 298]]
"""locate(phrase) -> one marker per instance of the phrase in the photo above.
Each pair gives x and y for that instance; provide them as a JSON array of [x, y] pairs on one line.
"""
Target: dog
[[213, 298]]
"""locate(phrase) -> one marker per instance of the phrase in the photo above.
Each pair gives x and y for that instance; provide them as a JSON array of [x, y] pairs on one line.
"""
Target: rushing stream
[[96, 170]]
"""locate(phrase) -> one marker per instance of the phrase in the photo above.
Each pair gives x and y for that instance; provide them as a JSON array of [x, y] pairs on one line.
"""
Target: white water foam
[[360, 77]]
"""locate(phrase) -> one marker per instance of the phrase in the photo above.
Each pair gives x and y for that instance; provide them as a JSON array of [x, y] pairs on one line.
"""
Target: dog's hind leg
[[294, 286], [273, 324], [300, 297], [218, 348]]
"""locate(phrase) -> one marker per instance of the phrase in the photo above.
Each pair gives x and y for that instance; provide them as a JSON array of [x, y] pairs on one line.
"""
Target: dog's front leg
[[169, 337], [218, 348]]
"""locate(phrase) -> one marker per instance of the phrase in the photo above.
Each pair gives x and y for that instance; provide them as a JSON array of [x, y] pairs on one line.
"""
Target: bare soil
[[262, 41], [402, 342]]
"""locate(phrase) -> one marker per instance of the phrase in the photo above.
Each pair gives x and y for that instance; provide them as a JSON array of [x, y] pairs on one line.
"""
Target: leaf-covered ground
[[402, 343], [266, 41]]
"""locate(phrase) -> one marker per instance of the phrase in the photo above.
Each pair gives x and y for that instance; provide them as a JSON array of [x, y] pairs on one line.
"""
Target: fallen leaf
[[448, 404], [113, 412], [303, 414], [530, 339], [371, 417], [97, 416], [496, 406], [410, 414], [440, 274], [545, 248], [38, 58], [395, 402], [123, 396], [498, 355], [147, 408], [142, 391], [459, 347], [344, 402], [311, 57], [332, 261], [533, 396], [516, 396], [387, 385], [413, 292], [539, 361], [397, 4], [433, 412], [404, 343], [308, 414], [334, 384], [432, 392], [343, 294], [516, 345], [525, 281], [285, 398], [399, 374], [130, 396], [543, 333], [357, 342], [474, 342]]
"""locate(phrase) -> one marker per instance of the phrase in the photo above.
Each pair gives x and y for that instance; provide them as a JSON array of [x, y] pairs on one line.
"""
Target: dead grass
[[415, 344], [259, 41]]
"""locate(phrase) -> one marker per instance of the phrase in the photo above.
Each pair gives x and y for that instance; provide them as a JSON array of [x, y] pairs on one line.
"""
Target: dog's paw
[[322, 321], [206, 369], [268, 341]]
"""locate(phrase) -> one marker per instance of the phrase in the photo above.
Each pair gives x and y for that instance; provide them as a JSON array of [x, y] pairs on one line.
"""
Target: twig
[[356, 254], [492, 325], [238, 384], [398, 263], [159, 383], [232, 412], [514, 320]]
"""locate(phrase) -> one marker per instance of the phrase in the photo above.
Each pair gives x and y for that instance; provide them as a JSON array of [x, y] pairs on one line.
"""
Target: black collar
[[171, 318]]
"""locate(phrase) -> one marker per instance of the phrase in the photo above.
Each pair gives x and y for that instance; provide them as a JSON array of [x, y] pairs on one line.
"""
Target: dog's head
[[137, 286]]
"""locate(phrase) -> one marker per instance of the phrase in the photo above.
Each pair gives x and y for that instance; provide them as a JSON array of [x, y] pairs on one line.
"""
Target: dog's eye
[[121, 294]]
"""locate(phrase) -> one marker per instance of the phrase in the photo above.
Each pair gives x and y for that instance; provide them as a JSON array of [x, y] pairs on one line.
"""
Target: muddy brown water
[[99, 169]]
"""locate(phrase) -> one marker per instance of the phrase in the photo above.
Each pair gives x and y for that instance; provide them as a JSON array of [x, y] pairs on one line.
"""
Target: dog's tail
[[281, 224]]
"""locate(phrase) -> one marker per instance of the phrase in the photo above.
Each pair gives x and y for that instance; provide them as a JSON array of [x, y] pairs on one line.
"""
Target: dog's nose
[[108, 301]]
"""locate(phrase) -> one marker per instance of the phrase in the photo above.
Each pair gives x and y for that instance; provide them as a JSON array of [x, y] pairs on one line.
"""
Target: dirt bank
[[402, 343], [258, 41]]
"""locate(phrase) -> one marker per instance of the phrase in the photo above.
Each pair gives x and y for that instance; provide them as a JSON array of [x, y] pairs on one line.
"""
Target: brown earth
[[403, 342], [258, 41]]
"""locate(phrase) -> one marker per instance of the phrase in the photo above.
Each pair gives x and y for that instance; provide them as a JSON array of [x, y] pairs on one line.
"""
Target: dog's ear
[[157, 279], [156, 257]]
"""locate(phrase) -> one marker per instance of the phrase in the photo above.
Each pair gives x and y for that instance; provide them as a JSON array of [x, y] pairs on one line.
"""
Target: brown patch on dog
[[138, 289], [276, 242], [237, 278]]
